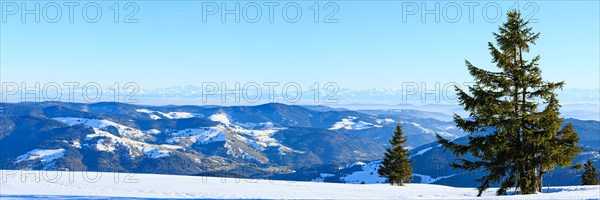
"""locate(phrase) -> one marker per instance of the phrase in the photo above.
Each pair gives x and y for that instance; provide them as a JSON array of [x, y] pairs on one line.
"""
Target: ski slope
[[82, 185]]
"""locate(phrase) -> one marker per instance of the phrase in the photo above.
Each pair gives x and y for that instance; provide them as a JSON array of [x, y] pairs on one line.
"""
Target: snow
[[350, 124], [322, 177], [108, 142], [153, 131], [258, 139], [432, 132], [450, 128], [384, 121], [172, 147], [591, 154], [203, 135], [178, 115], [76, 144], [156, 115], [447, 135], [220, 117], [249, 157], [250, 125], [422, 151], [155, 153], [73, 143], [92, 185], [103, 124], [103, 145], [425, 130], [259, 136], [368, 174], [44, 155], [253, 143], [428, 179], [150, 112], [357, 163], [245, 155]]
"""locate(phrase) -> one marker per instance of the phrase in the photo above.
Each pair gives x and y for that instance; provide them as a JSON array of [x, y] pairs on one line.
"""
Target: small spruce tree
[[589, 177], [396, 164]]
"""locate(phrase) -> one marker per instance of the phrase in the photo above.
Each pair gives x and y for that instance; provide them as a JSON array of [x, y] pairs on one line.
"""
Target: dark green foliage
[[176, 163], [589, 176], [71, 161], [324, 147], [396, 164], [6, 126], [521, 143]]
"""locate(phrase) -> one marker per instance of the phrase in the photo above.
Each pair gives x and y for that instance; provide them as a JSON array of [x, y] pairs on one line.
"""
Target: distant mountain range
[[265, 141], [577, 103], [569, 95], [190, 94]]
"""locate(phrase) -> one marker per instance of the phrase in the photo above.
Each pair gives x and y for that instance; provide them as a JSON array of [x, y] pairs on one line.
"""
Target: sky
[[366, 44]]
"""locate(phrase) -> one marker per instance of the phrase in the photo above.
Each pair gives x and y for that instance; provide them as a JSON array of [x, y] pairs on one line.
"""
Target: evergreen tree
[[396, 164], [521, 142], [589, 176]]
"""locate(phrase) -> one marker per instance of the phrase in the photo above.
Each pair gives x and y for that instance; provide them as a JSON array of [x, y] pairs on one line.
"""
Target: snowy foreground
[[82, 185]]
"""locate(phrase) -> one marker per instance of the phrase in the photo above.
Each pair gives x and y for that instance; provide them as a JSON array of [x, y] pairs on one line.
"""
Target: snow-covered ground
[[349, 124], [102, 124], [155, 115], [81, 185], [46, 155], [129, 137], [368, 174]]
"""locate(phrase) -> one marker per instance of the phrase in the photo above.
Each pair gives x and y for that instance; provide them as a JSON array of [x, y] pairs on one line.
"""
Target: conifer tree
[[396, 164], [589, 176], [512, 141]]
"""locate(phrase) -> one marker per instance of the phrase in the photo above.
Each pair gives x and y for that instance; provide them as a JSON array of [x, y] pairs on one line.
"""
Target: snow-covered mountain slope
[[278, 141], [189, 140], [156, 115], [102, 124], [81, 185], [45, 156], [349, 124], [126, 136]]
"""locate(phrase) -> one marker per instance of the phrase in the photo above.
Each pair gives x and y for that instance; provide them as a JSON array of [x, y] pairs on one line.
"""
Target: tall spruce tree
[[396, 164], [589, 176], [520, 142]]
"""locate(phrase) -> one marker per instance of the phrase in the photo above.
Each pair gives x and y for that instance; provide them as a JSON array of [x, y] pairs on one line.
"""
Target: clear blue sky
[[370, 46]]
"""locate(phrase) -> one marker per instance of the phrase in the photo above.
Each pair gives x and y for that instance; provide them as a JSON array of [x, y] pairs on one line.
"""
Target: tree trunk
[[549, 182], [541, 182]]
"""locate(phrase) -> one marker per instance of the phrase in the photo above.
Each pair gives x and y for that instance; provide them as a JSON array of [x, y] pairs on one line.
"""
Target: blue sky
[[370, 46]]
